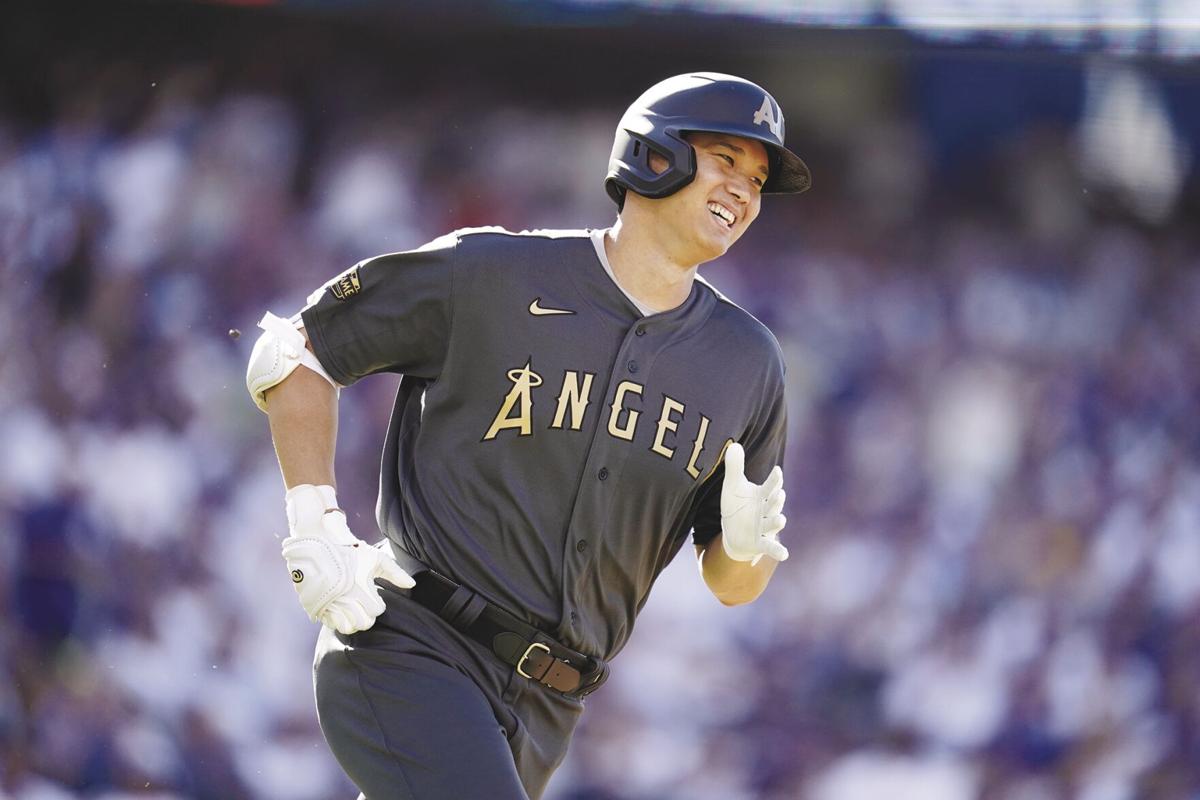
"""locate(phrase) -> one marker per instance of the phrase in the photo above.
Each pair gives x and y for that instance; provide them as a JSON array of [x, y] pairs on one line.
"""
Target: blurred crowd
[[993, 471]]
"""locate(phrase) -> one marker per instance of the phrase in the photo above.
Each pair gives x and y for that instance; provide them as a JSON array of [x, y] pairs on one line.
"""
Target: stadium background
[[988, 305]]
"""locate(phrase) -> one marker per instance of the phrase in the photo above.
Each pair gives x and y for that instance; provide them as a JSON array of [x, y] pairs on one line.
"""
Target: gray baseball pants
[[414, 710]]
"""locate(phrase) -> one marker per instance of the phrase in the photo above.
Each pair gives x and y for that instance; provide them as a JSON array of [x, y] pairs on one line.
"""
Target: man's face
[[713, 211]]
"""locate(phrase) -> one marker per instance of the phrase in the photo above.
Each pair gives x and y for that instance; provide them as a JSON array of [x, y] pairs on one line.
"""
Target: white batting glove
[[334, 571], [751, 515]]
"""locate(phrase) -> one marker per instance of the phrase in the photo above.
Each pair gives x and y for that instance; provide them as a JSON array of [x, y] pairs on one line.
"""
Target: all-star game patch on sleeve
[[390, 313]]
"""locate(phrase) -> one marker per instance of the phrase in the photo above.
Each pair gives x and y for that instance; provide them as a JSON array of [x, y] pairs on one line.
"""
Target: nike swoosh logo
[[537, 310]]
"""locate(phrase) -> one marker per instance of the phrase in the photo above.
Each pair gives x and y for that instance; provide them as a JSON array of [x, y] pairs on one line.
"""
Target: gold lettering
[[665, 423], [697, 446], [626, 431], [524, 380], [574, 394]]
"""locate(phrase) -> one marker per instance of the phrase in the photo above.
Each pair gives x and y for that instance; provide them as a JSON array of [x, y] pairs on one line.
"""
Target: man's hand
[[751, 515], [332, 570]]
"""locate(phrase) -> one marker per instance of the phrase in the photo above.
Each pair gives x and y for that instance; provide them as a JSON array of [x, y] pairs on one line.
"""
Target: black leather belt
[[528, 650]]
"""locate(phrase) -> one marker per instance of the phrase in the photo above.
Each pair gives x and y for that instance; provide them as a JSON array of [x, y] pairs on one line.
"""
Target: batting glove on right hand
[[334, 571], [751, 515]]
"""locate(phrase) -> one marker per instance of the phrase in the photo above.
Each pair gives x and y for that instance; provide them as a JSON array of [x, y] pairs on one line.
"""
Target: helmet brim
[[789, 174]]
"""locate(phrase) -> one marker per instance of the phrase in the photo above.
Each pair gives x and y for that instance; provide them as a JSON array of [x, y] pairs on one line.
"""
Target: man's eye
[[728, 158], [758, 182]]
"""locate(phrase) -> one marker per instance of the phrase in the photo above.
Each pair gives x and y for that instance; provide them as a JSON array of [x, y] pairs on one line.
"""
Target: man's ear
[[658, 163]]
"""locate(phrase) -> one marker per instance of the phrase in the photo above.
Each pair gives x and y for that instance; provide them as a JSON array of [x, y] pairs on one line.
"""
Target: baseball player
[[573, 405]]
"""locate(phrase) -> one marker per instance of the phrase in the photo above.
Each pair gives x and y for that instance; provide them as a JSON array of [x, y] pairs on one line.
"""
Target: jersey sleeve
[[390, 313], [764, 445]]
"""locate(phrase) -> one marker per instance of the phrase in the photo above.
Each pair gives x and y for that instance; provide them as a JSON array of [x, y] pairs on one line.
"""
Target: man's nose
[[739, 187]]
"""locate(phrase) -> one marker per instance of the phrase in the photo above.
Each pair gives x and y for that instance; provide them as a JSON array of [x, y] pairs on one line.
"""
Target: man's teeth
[[722, 212]]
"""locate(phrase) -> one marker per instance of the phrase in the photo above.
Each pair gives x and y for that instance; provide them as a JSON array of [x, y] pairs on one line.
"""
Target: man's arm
[[302, 410], [732, 582], [738, 562], [332, 570]]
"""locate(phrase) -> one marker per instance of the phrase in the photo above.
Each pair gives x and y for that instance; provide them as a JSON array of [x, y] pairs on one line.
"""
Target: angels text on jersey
[[574, 397]]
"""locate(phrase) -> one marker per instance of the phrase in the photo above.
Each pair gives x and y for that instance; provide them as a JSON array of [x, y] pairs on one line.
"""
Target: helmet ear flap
[[643, 152], [630, 167]]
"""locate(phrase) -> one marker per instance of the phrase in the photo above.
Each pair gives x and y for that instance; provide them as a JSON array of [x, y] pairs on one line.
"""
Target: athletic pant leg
[[545, 723], [405, 726]]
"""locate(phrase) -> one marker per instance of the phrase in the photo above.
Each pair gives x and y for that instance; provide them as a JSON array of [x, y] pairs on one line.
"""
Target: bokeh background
[[989, 304]]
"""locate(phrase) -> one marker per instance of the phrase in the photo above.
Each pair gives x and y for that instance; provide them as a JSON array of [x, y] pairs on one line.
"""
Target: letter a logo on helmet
[[767, 115], [706, 102]]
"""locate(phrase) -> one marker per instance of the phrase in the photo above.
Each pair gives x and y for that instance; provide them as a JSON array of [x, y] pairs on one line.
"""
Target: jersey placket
[[603, 469]]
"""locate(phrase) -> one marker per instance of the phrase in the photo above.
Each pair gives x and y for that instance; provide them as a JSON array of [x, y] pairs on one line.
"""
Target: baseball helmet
[[698, 101]]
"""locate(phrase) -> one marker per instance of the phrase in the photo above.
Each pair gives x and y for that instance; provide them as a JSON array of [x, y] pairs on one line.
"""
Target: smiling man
[[573, 406]]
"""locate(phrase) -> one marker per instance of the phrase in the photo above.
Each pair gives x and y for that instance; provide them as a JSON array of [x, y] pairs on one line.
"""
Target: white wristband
[[307, 503]]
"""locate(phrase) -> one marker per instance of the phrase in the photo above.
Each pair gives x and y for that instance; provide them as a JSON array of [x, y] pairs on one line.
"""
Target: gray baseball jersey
[[550, 447]]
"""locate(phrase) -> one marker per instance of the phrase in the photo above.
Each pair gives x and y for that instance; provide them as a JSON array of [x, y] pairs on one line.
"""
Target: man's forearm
[[303, 413], [734, 582]]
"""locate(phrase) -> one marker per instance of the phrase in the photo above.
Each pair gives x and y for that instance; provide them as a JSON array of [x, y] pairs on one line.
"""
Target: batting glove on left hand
[[751, 515], [334, 571]]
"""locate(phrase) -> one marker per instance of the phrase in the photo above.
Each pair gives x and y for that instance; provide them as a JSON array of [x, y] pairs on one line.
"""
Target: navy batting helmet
[[698, 101]]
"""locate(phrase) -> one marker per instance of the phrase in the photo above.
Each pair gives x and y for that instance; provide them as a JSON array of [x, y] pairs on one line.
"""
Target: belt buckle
[[525, 655]]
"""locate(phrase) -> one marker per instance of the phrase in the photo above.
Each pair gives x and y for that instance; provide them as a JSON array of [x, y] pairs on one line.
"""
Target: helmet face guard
[[702, 102]]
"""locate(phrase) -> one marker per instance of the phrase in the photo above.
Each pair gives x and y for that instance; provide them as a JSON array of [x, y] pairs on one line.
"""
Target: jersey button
[[633, 366], [574, 618], [581, 545], [641, 330], [602, 474]]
